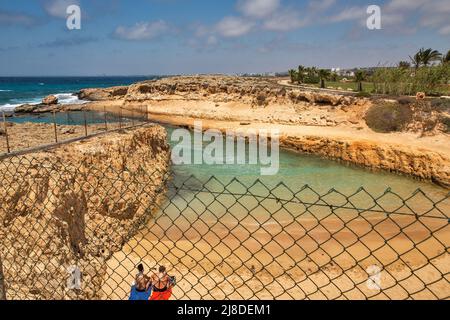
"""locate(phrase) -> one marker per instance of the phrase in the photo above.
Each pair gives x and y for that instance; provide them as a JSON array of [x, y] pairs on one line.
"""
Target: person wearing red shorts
[[162, 285]]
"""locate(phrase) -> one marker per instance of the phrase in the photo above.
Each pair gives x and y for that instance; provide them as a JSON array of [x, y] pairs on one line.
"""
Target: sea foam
[[63, 98]]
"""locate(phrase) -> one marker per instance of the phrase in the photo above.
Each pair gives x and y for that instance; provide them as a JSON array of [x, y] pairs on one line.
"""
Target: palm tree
[[416, 60], [425, 57], [360, 76], [293, 75], [301, 74], [446, 58], [334, 76], [404, 65], [323, 75], [429, 55]]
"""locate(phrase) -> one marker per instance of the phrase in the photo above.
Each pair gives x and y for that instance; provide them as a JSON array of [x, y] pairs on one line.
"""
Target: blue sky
[[142, 37]]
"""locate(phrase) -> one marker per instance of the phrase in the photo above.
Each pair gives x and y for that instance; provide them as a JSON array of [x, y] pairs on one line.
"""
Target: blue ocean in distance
[[15, 91]]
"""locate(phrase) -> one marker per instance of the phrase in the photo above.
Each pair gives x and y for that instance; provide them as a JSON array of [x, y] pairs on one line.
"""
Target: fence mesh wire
[[222, 240]]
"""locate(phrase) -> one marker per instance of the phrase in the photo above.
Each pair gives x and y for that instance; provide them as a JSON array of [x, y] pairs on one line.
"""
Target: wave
[[5, 90], [68, 98], [8, 107], [63, 98]]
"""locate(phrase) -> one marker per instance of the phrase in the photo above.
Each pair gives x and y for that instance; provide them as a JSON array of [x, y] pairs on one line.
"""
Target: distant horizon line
[[166, 75]]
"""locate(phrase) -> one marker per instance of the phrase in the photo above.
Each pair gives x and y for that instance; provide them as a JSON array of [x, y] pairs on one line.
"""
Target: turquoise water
[[305, 185], [299, 170]]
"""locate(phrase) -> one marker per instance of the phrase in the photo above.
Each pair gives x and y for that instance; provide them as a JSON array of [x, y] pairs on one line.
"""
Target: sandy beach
[[324, 263]]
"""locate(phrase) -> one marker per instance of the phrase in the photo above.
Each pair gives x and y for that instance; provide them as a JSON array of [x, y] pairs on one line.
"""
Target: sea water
[[15, 91]]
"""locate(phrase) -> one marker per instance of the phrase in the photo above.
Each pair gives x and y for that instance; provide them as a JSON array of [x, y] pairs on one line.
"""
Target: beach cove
[[217, 214]]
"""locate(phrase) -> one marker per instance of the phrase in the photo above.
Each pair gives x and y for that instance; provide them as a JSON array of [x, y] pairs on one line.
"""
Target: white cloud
[[445, 30], [258, 8], [285, 20], [403, 5], [320, 5], [234, 27], [57, 8], [352, 13], [432, 13], [143, 30], [10, 18]]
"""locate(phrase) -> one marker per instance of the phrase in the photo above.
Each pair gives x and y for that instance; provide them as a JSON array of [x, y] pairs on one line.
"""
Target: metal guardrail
[[125, 118]]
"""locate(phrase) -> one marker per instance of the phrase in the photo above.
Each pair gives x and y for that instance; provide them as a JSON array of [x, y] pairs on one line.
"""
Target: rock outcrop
[[256, 91], [50, 100], [75, 206], [102, 94], [45, 108]]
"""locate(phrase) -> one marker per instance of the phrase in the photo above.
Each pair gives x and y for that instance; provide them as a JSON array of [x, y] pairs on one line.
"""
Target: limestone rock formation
[[103, 94], [50, 100], [423, 164], [75, 206], [256, 91]]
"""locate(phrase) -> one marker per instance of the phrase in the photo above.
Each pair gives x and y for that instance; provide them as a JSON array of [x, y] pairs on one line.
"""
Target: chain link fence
[[221, 240]]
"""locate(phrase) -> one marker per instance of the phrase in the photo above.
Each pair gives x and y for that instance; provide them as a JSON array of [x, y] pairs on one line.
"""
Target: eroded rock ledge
[[76, 206], [422, 164]]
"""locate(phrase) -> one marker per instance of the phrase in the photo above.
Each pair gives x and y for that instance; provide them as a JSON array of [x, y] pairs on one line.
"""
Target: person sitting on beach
[[162, 285], [141, 288]]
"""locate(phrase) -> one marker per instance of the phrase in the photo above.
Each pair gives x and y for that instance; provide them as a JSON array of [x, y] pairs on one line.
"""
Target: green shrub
[[400, 81], [388, 117]]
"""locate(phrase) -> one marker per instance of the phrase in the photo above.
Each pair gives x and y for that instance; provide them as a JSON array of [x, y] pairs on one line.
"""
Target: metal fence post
[[54, 127], [120, 118], [85, 123], [2, 282], [6, 133], [106, 119]]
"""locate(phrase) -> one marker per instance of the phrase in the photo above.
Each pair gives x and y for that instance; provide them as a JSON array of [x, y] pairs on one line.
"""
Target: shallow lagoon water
[[298, 170]]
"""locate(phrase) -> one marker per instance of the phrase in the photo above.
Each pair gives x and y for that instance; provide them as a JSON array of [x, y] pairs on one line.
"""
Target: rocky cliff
[[103, 94], [422, 164], [76, 206]]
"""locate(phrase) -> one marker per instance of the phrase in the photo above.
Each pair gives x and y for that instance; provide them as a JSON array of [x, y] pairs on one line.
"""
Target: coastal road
[[286, 83]]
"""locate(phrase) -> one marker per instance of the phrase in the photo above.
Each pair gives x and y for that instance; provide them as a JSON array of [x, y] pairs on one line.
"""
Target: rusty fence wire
[[221, 240]]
